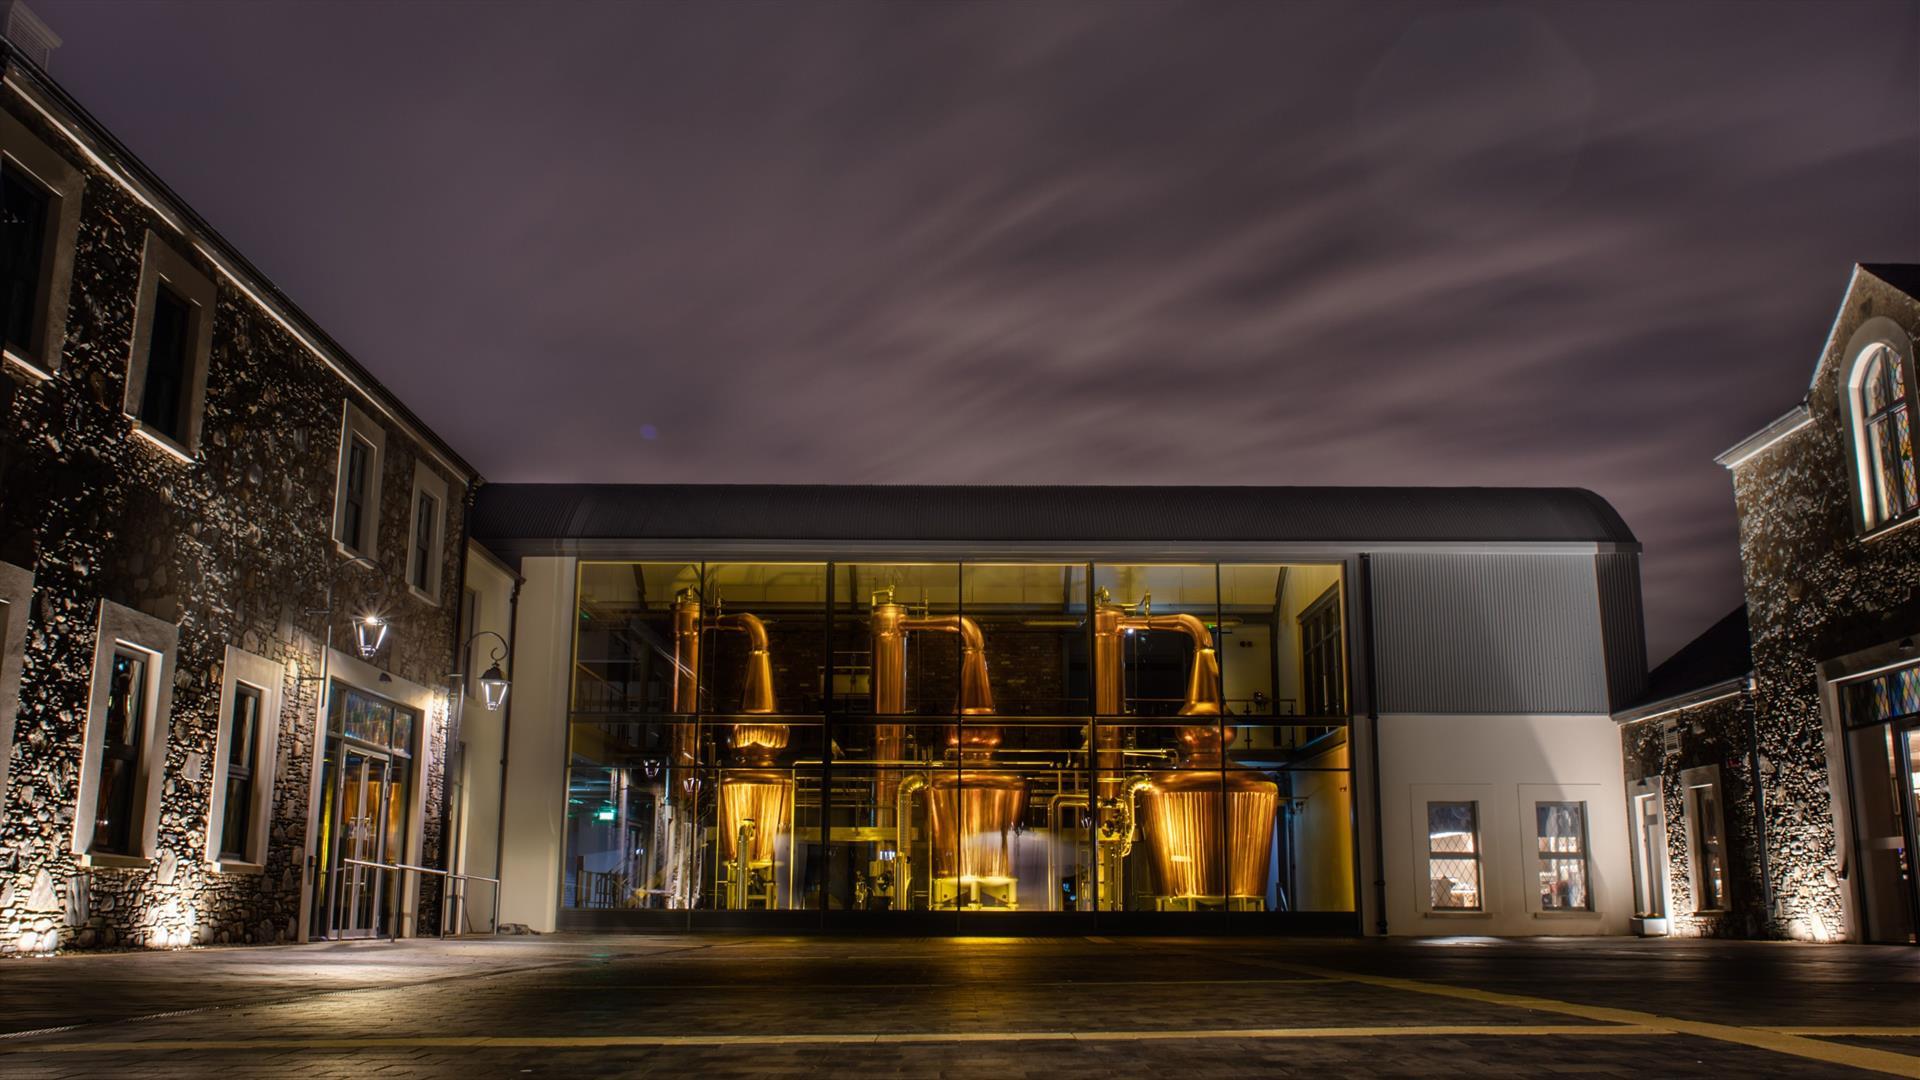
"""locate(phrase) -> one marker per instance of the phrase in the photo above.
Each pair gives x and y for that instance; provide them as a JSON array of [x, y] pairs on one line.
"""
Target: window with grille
[[1453, 856], [1561, 828]]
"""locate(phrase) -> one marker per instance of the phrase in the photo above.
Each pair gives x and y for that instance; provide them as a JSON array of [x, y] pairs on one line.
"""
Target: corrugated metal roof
[[528, 512]]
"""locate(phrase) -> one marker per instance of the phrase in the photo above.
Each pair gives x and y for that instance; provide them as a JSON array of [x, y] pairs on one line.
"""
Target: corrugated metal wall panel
[[1488, 633], [1623, 626]]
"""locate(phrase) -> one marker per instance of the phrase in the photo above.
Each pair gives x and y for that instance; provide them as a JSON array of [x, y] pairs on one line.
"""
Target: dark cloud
[[1586, 244]]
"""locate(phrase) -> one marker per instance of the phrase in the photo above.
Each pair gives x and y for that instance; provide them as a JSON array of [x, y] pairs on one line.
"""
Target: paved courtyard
[[1055, 1008]]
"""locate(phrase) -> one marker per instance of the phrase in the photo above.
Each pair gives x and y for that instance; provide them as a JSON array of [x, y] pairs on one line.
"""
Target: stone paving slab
[[748, 1006], [1671, 1056]]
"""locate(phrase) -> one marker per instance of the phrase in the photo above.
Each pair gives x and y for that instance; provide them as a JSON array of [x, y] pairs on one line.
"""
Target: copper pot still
[[1187, 812]]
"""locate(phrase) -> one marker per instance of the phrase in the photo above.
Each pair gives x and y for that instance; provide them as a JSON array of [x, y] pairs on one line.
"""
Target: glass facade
[[872, 740]]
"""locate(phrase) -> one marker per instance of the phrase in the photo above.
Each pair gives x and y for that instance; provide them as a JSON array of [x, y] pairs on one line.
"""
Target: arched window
[[1883, 419]]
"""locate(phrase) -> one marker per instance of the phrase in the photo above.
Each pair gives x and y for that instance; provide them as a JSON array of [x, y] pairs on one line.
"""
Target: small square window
[[1453, 856]]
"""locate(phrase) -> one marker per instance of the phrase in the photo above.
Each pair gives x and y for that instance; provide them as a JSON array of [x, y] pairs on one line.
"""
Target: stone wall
[[1664, 747], [1816, 590], [234, 548]]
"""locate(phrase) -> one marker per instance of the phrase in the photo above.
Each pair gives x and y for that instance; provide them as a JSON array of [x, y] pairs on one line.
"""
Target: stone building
[[203, 499], [1821, 847]]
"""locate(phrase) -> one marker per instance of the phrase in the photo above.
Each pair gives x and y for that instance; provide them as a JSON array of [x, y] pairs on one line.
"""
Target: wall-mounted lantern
[[493, 682], [371, 633]]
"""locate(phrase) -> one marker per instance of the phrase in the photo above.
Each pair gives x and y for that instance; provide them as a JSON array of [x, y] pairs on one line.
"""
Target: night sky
[[1264, 243]]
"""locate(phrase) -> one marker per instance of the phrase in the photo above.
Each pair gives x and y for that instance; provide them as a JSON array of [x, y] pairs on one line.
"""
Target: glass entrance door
[[363, 817], [1907, 771], [366, 799]]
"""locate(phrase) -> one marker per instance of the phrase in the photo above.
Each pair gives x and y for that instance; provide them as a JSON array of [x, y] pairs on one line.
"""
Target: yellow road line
[[564, 1042], [1895, 1032], [1857, 1057]]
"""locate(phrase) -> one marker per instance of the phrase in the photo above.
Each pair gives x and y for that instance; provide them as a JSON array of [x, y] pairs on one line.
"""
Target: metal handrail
[[446, 898]]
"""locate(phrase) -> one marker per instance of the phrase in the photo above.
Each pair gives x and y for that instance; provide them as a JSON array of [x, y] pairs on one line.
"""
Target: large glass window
[[1561, 830], [127, 716], [1453, 856], [974, 738]]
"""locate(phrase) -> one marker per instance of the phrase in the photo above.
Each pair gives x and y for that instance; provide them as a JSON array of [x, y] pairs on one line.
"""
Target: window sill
[[1566, 914], [181, 453], [101, 860], [1431, 914], [229, 866], [423, 596], [1888, 528], [26, 365], [347, 550]]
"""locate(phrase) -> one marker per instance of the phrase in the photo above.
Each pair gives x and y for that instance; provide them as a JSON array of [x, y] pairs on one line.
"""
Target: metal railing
[[446, 895]]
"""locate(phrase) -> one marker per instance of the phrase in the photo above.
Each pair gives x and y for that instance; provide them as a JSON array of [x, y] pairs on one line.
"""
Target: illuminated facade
[[1826, 710], [201, 500], [990, 708]]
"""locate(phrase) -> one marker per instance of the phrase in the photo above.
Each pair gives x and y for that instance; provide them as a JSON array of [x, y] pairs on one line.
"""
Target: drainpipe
[[506, 745], [1373, 746], [457, 706], [1752, 708]]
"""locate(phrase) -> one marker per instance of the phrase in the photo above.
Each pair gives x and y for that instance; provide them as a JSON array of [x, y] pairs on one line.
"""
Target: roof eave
[[1786, 424]]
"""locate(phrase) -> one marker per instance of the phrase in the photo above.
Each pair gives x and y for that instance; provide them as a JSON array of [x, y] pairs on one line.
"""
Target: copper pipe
[[757, 696], [684, 739], [1185, 811]]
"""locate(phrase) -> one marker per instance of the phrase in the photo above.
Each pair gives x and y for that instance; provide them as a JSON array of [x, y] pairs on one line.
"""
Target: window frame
[[120, 629], [1874, 336], [1652, 891], [1584, 856], [65, 184], [1331, 643], [355, 424], [268, 678], [427, 485], [16, 598], [161, 265], [1692, 781], [1478, 856]]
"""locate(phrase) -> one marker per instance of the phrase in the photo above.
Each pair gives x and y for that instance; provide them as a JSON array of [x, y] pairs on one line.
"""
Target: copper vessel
[[1209, 832], [971, 814], [759, 793]]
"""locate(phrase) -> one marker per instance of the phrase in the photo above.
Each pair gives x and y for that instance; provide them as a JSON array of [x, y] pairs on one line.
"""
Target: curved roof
[[505, 514]]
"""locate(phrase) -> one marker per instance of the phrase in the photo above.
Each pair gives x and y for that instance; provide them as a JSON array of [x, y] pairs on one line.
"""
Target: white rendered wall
[[1505, 763], [480, 731], [535, 790]]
